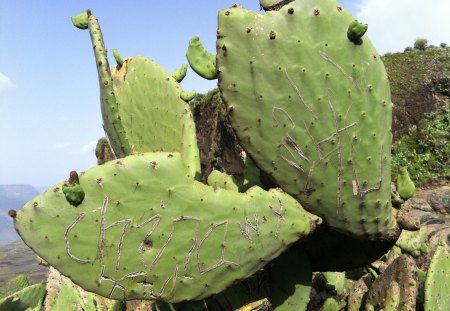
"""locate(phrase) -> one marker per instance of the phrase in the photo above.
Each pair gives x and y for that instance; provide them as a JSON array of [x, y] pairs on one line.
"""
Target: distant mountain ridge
[[12, 197]]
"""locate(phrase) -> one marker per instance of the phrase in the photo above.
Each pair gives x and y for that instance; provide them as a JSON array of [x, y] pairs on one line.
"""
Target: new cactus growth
[[405, 186], [72, 190], [201, 61], [312, 109], [180, 73], [356, 31], [147, 230]]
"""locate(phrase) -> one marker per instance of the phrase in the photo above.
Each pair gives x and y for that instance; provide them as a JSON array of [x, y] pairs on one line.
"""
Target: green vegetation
[[421, 44], [426, 149], [407, 71]]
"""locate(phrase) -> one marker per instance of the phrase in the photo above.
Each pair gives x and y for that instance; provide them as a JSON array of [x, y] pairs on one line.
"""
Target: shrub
[[425, 150], [443, 45], [421, 44], [408, 48]]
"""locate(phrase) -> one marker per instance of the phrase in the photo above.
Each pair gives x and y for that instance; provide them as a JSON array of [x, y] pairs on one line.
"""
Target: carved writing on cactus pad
[[148, 231]]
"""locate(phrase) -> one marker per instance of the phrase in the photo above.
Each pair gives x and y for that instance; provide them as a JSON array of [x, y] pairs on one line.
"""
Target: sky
[[49, 96]]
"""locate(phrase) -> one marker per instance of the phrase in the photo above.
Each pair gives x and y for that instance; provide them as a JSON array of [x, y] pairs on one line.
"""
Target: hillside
[[420, 83], [12, 197]]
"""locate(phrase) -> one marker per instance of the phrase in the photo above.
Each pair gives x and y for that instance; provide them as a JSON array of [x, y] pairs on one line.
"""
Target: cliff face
[[420, 83]]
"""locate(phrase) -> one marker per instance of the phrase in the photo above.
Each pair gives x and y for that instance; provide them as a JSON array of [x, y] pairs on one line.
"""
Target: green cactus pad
[[147, 230], [152, 112], [201, 61], [117, 57], [330, 304], [437, 283], [22, 282], [180, 73], [188, 96], [142, 107], [109, 105], [29, 298], [312, 109], [219, 180], [81, 20], [290, 280], [405, 186]]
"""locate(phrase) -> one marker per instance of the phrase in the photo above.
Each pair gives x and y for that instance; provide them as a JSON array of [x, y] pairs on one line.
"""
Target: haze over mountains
[[12, 197]]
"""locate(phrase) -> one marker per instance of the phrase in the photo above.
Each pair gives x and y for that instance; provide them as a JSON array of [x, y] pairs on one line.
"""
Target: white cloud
[[5, 83], [89, 147], [61, 146], [396, 24]]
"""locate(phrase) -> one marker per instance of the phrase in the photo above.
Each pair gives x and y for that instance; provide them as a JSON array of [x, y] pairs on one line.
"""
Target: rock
[[439, 199]]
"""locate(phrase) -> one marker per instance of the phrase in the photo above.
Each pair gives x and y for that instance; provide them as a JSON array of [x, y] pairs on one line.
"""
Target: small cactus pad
[[180, 73], [356, 30], [147, 230], [152, 110], [201, 61], [29, 298], [437, 283], [22, 282], [312, 109], [405, 186]]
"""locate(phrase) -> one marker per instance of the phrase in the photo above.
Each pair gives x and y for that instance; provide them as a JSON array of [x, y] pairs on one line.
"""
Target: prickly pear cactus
[[22, 282], [201, 61], [405, 185], [313, 109], [438, 280], [147, 230], [142, 104], [29, 298]]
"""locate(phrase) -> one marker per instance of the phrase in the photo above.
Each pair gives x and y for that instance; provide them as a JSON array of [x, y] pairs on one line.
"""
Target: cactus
[[29, 298], [72, 190], [438, 280], [219, 180], [69, 299], [180, 73], [414, 242], [330, 304], [143, 106], [312, 109], [111, 120], [147, 230], [22, 282], [201, 61], [405, 186], [290, 280]]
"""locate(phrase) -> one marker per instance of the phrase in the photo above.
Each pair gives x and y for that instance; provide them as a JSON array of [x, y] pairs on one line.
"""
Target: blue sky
[[49, 98]]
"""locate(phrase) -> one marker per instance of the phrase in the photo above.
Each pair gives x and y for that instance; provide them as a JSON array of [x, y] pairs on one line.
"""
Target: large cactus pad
[[312, 108], [147, 230]]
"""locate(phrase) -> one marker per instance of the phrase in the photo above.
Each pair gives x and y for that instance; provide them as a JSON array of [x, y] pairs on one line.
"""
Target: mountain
[[12, 197]]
